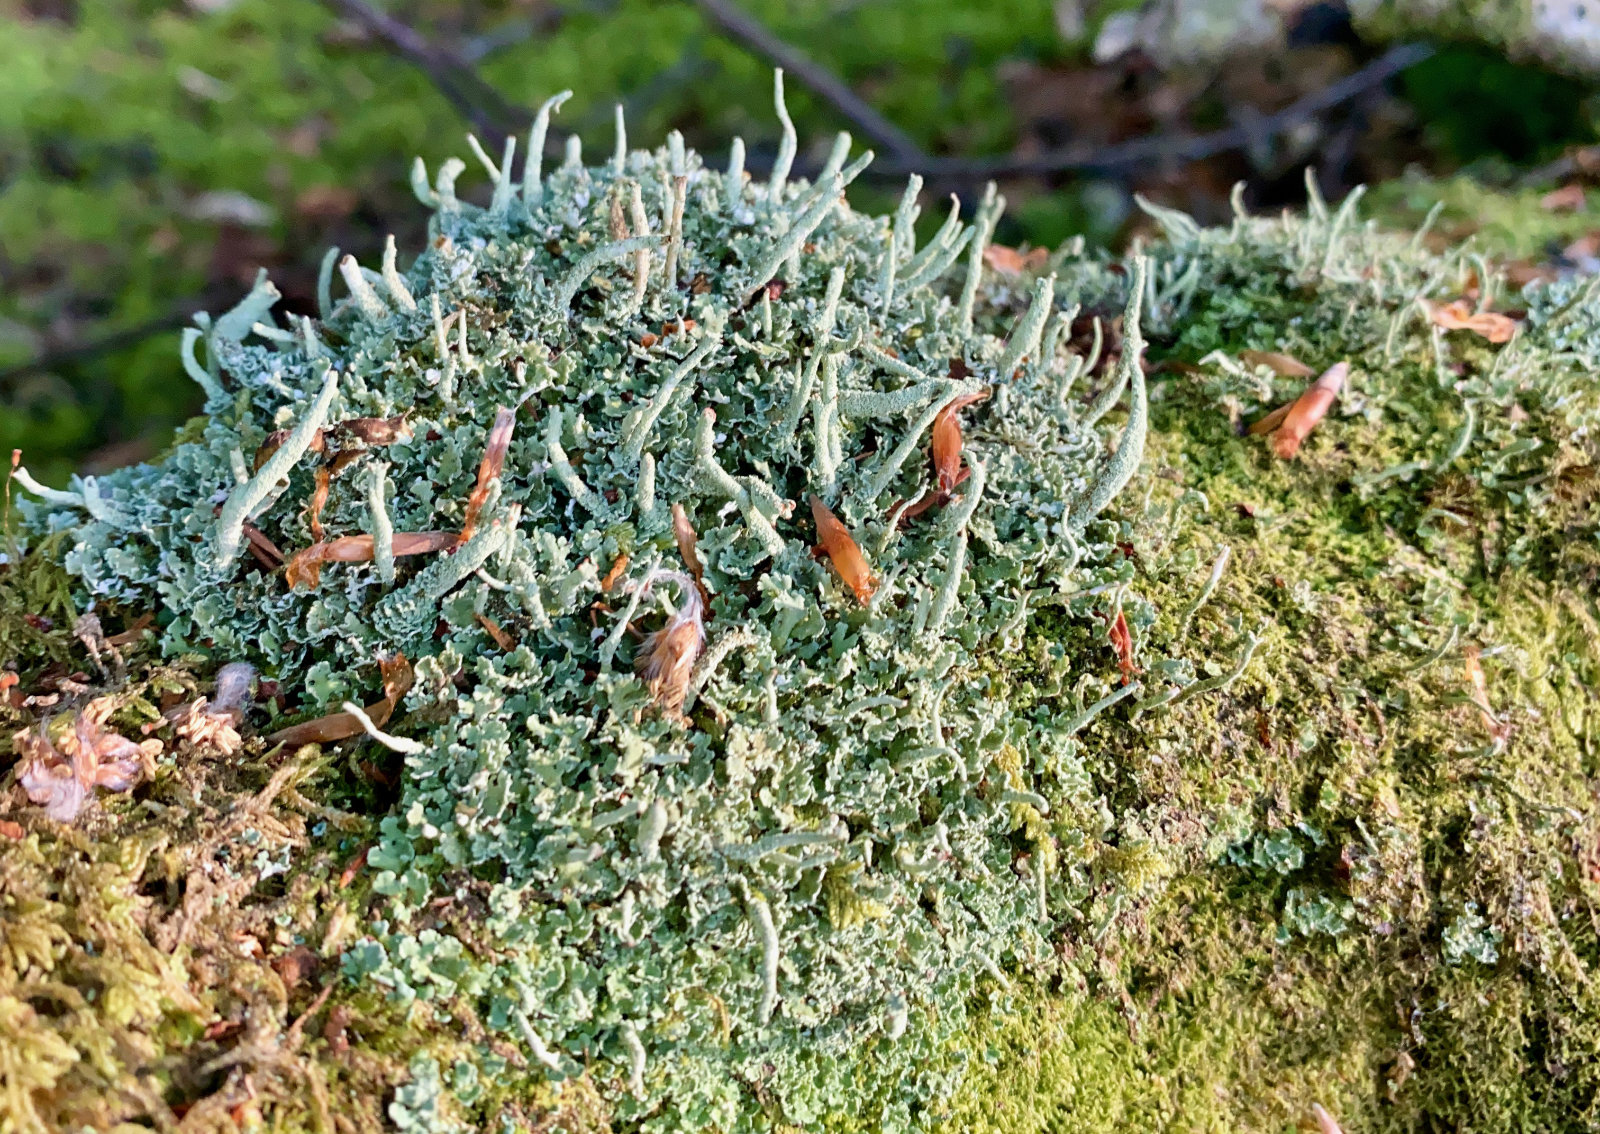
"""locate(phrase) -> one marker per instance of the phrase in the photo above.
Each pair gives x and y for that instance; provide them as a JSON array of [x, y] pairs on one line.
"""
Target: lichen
[[1137, 714]]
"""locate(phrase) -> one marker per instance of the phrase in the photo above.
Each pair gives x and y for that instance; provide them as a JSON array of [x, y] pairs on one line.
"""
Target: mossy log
[[1104, 767]]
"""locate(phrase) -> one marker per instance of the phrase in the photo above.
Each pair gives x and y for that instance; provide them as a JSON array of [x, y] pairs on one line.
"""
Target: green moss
[[1305, 860]]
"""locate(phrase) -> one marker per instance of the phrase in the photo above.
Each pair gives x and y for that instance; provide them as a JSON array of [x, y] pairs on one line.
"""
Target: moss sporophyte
[[738, 575]]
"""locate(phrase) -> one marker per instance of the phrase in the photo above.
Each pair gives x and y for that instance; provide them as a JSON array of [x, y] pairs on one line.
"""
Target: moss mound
[[1089, 763]]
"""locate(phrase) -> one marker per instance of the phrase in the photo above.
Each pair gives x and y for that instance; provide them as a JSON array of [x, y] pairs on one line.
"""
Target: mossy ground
[[1348, 893]]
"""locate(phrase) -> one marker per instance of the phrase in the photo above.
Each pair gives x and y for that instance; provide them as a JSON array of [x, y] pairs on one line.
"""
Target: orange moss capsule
[[843, 550]]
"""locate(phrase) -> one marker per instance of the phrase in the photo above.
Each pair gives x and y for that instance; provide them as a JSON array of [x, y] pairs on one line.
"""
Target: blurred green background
[[153, 155]]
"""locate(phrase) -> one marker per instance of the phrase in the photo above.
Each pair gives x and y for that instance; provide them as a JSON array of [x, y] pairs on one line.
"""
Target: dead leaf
[[1567, 199], [265, 551], [11, 830], [1498, 729], [666, 657], [319, 500], [353, 867], [495, 631], [688, 542], [1292, 424], [306, 564], [843, 550], [489, 468], [948, 472], [376, 431], [61, 776], [617, 568], [296, 966], [1458, 316], [1013, 261], [1122, 641], [319, 444], [1283, 365], [397, 679]]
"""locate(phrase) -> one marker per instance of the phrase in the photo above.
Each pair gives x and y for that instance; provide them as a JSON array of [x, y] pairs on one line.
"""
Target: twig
[[450, 73], [84, 352], [1156, 149], [739, 25]]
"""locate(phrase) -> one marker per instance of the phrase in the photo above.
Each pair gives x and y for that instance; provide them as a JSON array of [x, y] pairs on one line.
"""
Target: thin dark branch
[[474, 99], [1166, 149], [739, 25], [85, 352]]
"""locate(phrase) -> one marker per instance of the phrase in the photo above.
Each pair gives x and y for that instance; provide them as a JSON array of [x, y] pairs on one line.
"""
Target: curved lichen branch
[[382, 529], [366, 297], [191, 365], [256, 307], [1026, 334], [637, 432], [786, 143], [533, 164], [568, 287], [718, 480], [401, 744], [1114, 474], [804, 225], [244, 499]]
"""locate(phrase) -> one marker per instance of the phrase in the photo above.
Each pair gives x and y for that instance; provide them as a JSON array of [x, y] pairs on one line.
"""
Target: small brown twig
[[739, 25], [474, 99], [1160, 149]]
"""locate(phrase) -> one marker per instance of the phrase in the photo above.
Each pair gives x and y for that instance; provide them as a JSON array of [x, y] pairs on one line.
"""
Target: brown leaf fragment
[[1292, 424], [1283, 365], [505, 641], [353, 867], [376, 432], [397, 679], [666, 657], [844, 552], [1567, 199], [265, 551], [688, 542], [1498, 729], [305, 566], [1122, 641], [62, 775], [296, 966], [1458, 316], [319, 444], [947, 469], [617, 568], [319, 500], [1014, 261], [489, 468], [11, 830]]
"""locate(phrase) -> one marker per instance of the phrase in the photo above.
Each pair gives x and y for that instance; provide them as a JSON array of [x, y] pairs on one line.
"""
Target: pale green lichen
[[546, 763], [877, 808]]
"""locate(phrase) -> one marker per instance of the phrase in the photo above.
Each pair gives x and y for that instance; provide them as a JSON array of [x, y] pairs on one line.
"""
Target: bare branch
[[474, 99], [108, 344], [739, 25], [1159, 149]]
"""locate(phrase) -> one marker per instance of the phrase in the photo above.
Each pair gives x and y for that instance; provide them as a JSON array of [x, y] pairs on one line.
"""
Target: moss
[[1331, 849]]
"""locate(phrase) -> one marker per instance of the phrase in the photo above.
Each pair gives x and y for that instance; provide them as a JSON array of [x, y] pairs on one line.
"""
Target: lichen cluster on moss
[[824, 855], [900, 844]]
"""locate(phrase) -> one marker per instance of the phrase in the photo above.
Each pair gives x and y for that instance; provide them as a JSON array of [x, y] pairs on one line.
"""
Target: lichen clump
[[816, 823]]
